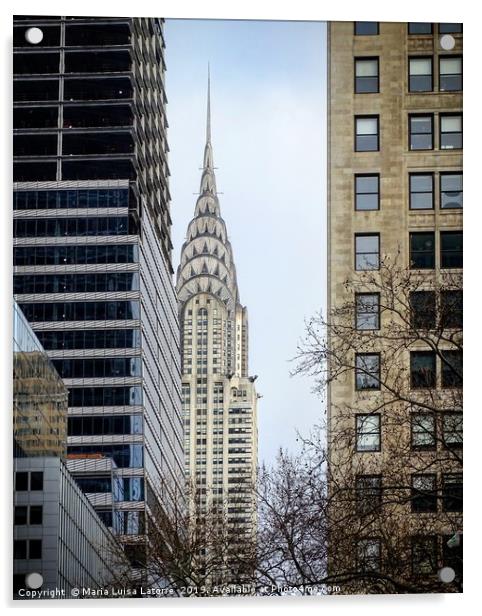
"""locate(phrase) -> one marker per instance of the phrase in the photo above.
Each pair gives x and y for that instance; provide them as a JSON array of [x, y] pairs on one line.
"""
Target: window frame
[[355, 33], [433, 382], [452, 445], [442, 116], [367, 117], [433, 434], [367, 374], [433, 540], [378, 313], [357, 193], [431, 495], [446, 497], [412, 235], [377, 560], [421, 57], [444, 234], [419, 33], [364, 492], [370, 269], [410, 133], [378, 433], [410, 191], [444, 174], [451, 56], [355, 77]]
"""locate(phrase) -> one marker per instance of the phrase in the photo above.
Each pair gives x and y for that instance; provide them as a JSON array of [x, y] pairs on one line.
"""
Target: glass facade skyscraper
[[92, 249]]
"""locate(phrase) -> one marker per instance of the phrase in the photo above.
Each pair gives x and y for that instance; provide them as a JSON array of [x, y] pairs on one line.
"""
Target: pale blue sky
[[268, 99]]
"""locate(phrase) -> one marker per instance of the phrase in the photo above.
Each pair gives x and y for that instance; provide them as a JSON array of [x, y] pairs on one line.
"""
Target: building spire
[[208, 118]]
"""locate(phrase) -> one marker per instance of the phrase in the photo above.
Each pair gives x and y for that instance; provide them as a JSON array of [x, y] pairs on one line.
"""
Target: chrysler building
[[219, 398]]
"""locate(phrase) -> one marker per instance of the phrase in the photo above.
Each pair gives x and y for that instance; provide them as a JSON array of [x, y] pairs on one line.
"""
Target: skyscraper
[[219, 396], [92, 249], [395, 233]]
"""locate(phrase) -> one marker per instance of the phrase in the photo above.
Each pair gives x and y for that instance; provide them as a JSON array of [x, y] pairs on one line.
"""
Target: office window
[[420, 77], [423, 431], [421, 191], [422, 369], [21, 481], [367, 252], [450, 28], [452, 369], [419, 28], [452, 430], [367, 192], [367, 374], [451, 309], [366, 75], [20, 515], [450, 79], [421, 132], [422, 309], [35, 514], [422, 250], [36, 480], [451, 249], [368, 490], [452, 492], [368, 555], [366, 28], [366, 134], [451, 190], [368, 435], [450, 132], [34, 548], [424, 494], [424, 555], [367, 307], [20, 549]]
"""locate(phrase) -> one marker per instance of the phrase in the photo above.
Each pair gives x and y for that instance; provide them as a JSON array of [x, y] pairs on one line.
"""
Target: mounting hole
[[34, 580], [446, 575], [447, 42], [34, 36]]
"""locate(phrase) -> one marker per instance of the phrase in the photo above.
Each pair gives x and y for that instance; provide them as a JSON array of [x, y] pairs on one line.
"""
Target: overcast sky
[[268, 100]]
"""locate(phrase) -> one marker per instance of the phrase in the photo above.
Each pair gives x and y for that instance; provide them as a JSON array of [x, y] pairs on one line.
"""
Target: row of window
[[90, 339], [60, 199], [61, 227], [91, 425], [81, 311], [421, 191], [420, 74], [105, 367], [422, 250], [367, 132], [29, 480], [71, 255], [425, 313], [76, 283], [123, 489], [424, 493], [423, 371], [28, 514], [124, 456], [27, 549], [105, 396], [371, 28], [425, 555], [423, 431]]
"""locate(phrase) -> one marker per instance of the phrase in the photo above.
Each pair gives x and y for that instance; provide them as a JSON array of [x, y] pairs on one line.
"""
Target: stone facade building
[[394, 275]]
